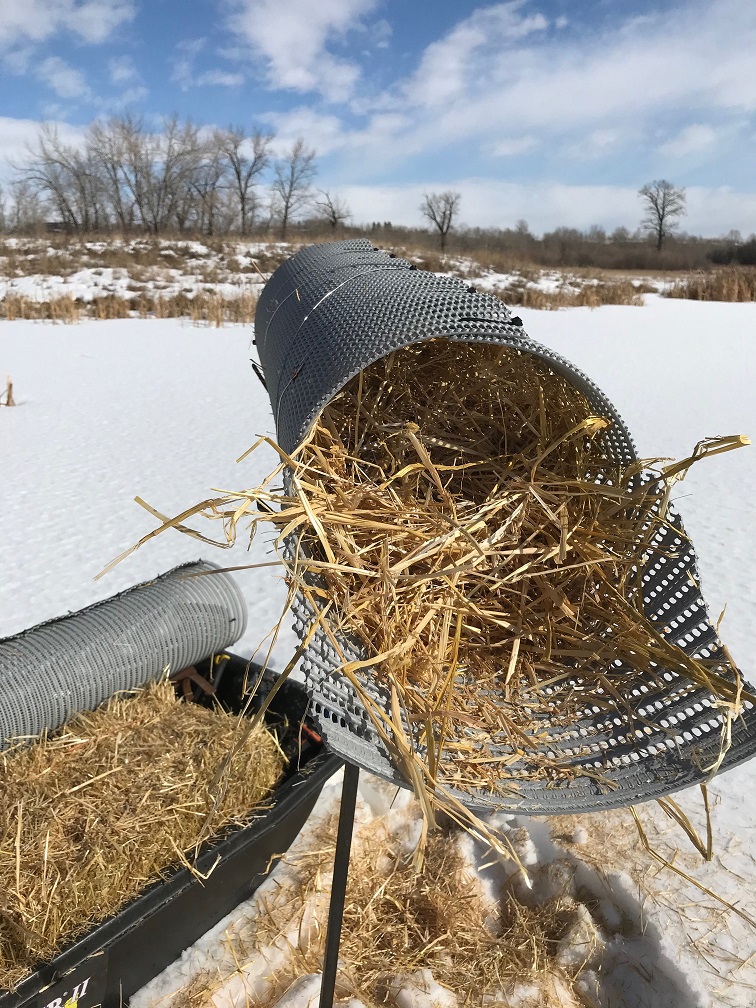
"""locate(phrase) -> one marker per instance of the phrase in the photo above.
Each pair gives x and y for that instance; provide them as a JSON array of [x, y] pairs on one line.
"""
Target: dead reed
[[7, 398], [204, 307], [58, 309], [112, 802], [587, 295], [734, 283]]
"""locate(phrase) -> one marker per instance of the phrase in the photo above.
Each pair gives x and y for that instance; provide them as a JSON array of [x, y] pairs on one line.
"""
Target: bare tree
[[441, 209], [247, 158], [662, 203], [332, 208], [159, 169], [206, 186], [64, 175], [620, 234], [107, 145], [24, 213], [291, 189]]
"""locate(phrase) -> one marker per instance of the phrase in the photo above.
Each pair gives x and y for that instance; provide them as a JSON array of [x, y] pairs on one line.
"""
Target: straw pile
[[402, 921], [464, 519], [396, 922], [455, 510], [111, 803]]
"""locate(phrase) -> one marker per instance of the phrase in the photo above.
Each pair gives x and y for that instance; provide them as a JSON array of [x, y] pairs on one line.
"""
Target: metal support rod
[[338, 887]]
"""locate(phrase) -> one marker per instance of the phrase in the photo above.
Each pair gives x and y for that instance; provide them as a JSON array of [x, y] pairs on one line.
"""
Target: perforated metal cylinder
[[74, 663], [332, 310]]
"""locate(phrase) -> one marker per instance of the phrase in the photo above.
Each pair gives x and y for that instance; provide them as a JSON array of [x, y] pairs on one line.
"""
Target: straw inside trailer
[[114, 801]]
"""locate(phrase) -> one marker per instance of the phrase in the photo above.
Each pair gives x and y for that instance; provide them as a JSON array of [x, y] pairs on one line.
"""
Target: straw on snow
[[398, 921], [107, 805], [466, 525]]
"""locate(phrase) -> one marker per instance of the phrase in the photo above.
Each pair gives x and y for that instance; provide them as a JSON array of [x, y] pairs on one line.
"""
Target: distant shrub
[[744, 254]]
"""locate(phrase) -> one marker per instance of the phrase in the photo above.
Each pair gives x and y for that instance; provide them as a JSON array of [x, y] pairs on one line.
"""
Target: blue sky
[[553, 111]]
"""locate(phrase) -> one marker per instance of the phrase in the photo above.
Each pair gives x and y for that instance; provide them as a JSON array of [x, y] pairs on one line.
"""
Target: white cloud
[[598, 143], [18, 60], [219, 78], [690, 140], [293, 41], [713, 211], [130, 96], [96, 20], [91, 21], [192, 47], [513, 146], [324, 133], [452, 65], [185, 75], [16, 135], [183, 65], [66, 81], [380, 34], [122, 70], [491, 203], [501, 73]]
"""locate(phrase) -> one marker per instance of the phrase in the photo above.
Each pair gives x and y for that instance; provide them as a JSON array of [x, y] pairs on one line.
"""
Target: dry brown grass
[[31, 261], [94, 813], [735, 283], [59, 309], [466, 264], [398, 921], [109, 306], [578, 287], [208, 307], [7, 398], [588, 295], [404, 921], [140, 257], [499, 261]]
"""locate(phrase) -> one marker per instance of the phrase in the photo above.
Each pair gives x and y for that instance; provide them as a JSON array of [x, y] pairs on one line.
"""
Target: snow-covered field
[[31, 268], [138, 271], [161, 408]]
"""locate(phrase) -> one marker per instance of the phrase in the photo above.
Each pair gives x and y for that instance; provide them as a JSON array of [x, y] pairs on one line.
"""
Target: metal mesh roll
[[76, 662], [331, 311]]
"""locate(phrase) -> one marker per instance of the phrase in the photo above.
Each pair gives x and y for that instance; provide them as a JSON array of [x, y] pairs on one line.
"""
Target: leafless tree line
[[182, 178], [663, 203]]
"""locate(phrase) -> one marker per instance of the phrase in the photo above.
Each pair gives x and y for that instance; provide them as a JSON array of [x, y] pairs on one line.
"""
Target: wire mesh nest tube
[[325, 317], [74, 663]]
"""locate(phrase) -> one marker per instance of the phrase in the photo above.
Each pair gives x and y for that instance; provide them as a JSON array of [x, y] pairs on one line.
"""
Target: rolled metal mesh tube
[[332, 310], [74, 663]]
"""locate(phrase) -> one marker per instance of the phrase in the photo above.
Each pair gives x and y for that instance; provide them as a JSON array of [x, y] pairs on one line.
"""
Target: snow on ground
[[107, 411], [561, 281], [91, 283], [32, 269], [161, 408]]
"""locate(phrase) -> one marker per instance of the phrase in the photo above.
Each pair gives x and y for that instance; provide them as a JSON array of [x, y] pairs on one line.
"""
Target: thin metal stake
[[338, 888]]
